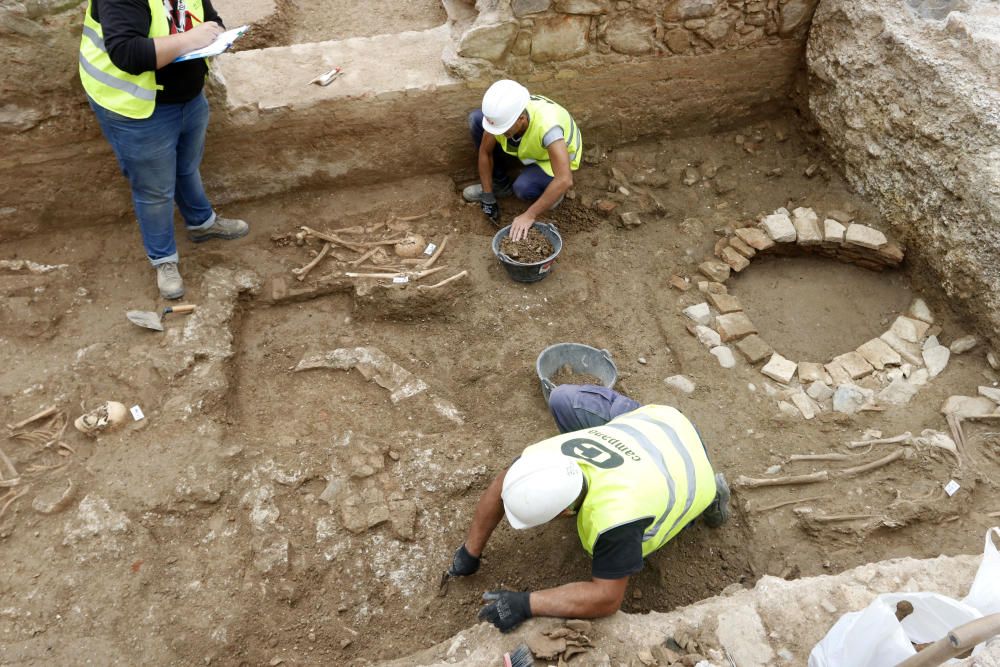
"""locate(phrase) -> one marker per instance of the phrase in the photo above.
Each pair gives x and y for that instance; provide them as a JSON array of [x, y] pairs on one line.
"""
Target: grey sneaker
[[168, 279], [718, 512], [474, 193], [222, 228]]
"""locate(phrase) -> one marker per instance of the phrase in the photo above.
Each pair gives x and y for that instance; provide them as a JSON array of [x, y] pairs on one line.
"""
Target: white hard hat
[[502, 104], [538, 487]]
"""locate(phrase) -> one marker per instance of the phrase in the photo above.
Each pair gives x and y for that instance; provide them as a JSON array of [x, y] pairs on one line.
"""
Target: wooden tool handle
[[186, 308], [956, 642]]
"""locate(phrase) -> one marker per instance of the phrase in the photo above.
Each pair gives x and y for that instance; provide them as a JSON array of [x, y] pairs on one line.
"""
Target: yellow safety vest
[[646, 464], [543, 115], [131, 95]]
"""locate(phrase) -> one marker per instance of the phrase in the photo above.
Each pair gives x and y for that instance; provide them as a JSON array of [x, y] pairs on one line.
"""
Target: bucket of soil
[[530, 259], [574, 363]]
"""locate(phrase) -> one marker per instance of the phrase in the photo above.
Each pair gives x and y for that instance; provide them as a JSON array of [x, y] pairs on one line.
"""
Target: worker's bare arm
[[168, 48], [488, 514], [486, 147], [581, 599], [561, 182]]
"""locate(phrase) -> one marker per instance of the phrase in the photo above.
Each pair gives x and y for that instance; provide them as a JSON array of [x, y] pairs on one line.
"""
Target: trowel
[[152, 320]]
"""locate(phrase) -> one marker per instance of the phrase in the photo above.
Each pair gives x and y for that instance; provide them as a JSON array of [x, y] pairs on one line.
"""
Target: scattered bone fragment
[[45, 505]]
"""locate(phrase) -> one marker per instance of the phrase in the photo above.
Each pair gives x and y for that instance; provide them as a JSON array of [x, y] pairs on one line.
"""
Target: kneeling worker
[[633, 476], [537, 131]]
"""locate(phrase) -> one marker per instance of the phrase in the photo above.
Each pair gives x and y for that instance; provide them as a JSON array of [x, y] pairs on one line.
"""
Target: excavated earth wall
[[908, 99]]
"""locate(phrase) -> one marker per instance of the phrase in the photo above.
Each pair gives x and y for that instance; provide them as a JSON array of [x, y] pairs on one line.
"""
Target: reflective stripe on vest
[[130, 95], [648, 464], [543, 115]]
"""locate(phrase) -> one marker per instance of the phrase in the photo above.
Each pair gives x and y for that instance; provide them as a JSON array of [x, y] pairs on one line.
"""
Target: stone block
[[806, 224], [680, 283], [489, 42], [706, 287], [700, 313], [630, 219], [963, 344], [865, 237], [754, 348], [819, 391], [779, 227], [919, 310], [837, 373], [707, 336], [717, 30], [724, 303], [909, 329], [525, 7], [849, 398], [910, 352], [804, 404], [780, 369], [833, 231], [733, 326], [740, 246], [795, 14], [899, 392], [686, 10], [755, 238], [631, 33], [891, 253], [560, 38], [855, 364], [715, 270], [879, 354], [936, 359], [735, 260], [813, 372], [590, 7], [968, 406], [991, 393], [724, 355]]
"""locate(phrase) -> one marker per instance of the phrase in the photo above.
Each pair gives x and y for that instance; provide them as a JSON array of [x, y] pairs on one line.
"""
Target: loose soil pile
[[531, 249], [566, 375]]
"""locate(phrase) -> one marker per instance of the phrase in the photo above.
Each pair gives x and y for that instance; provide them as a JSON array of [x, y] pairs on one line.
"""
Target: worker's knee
[[476, 125]]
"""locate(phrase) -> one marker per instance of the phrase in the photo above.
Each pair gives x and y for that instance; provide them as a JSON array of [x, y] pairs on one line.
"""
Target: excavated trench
[[261, 514]]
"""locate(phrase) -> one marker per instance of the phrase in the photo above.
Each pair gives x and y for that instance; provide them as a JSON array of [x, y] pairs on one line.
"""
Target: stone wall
[[907, 95], [522, 36]]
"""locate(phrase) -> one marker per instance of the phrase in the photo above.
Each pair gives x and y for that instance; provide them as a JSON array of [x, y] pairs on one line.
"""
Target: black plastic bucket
[[529, 273], [581, 358]]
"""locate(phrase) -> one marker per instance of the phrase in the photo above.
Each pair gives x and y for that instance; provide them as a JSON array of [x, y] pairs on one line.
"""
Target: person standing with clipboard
[[154, 114]]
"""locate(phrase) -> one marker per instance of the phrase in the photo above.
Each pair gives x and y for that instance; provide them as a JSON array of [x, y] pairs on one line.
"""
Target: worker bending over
[[633, 476], [537, 131]]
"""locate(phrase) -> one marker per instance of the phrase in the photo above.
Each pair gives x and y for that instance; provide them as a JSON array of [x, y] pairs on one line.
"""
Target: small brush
[[519, 657]]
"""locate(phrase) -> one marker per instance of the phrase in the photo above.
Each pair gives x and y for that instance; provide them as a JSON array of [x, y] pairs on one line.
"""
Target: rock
[[629, 220], [840, 216], [631, 33], [589, 7], [680, 383], [755, 238], [680, 283], [963, 344], [968, 406], [838, 374], [724, 303], [936, 359], [665, 656], [740, 246], [733, 326], [795, 14], [403, 519], [779, 368], [993, 359], [910, 352], [804, 404], [879, 354], [812, 372], [920, 311], [909, 329], [811, 170], [605, 206], [819, 391], [754, 348], [579, 625], [779, 227], [364, 510], [864, 236], [735, 260], [991, 393], [678, 41], [919, 377], [715, 270], [931, 341], [706, 287], [690, 176], [855, 364], [899, 392], [270, 554], [525, 7], [560, 38], [706, 336], [700, 313], [724, 355], [686, 10], [789, 410], [489, 42], [848, 399], [833, 231], [806, 224], [544, 647]]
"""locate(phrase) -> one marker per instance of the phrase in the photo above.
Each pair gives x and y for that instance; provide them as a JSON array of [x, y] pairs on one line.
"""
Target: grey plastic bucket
[[529, 273], [581, 358]]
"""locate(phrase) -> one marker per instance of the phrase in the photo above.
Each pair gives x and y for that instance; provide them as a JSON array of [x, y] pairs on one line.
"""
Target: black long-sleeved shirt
[[126, 25]]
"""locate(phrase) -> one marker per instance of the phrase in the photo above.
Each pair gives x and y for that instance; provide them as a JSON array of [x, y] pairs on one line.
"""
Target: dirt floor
[[231, 524]]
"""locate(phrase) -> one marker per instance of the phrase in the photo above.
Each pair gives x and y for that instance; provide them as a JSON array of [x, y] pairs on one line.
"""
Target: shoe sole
[[201, 238], [172, 296], [722, 488]]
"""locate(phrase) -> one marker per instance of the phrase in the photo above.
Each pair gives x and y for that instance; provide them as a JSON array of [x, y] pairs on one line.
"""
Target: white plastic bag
[[874, 638]]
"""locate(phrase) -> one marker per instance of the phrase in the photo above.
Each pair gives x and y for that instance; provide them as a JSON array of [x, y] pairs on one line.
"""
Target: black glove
[[463, 564], [507, 609], [491, 207]]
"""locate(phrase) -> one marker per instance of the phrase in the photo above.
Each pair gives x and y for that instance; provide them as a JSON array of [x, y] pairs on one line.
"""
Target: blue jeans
[[579, 406], [531, 182], [160, 156]]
